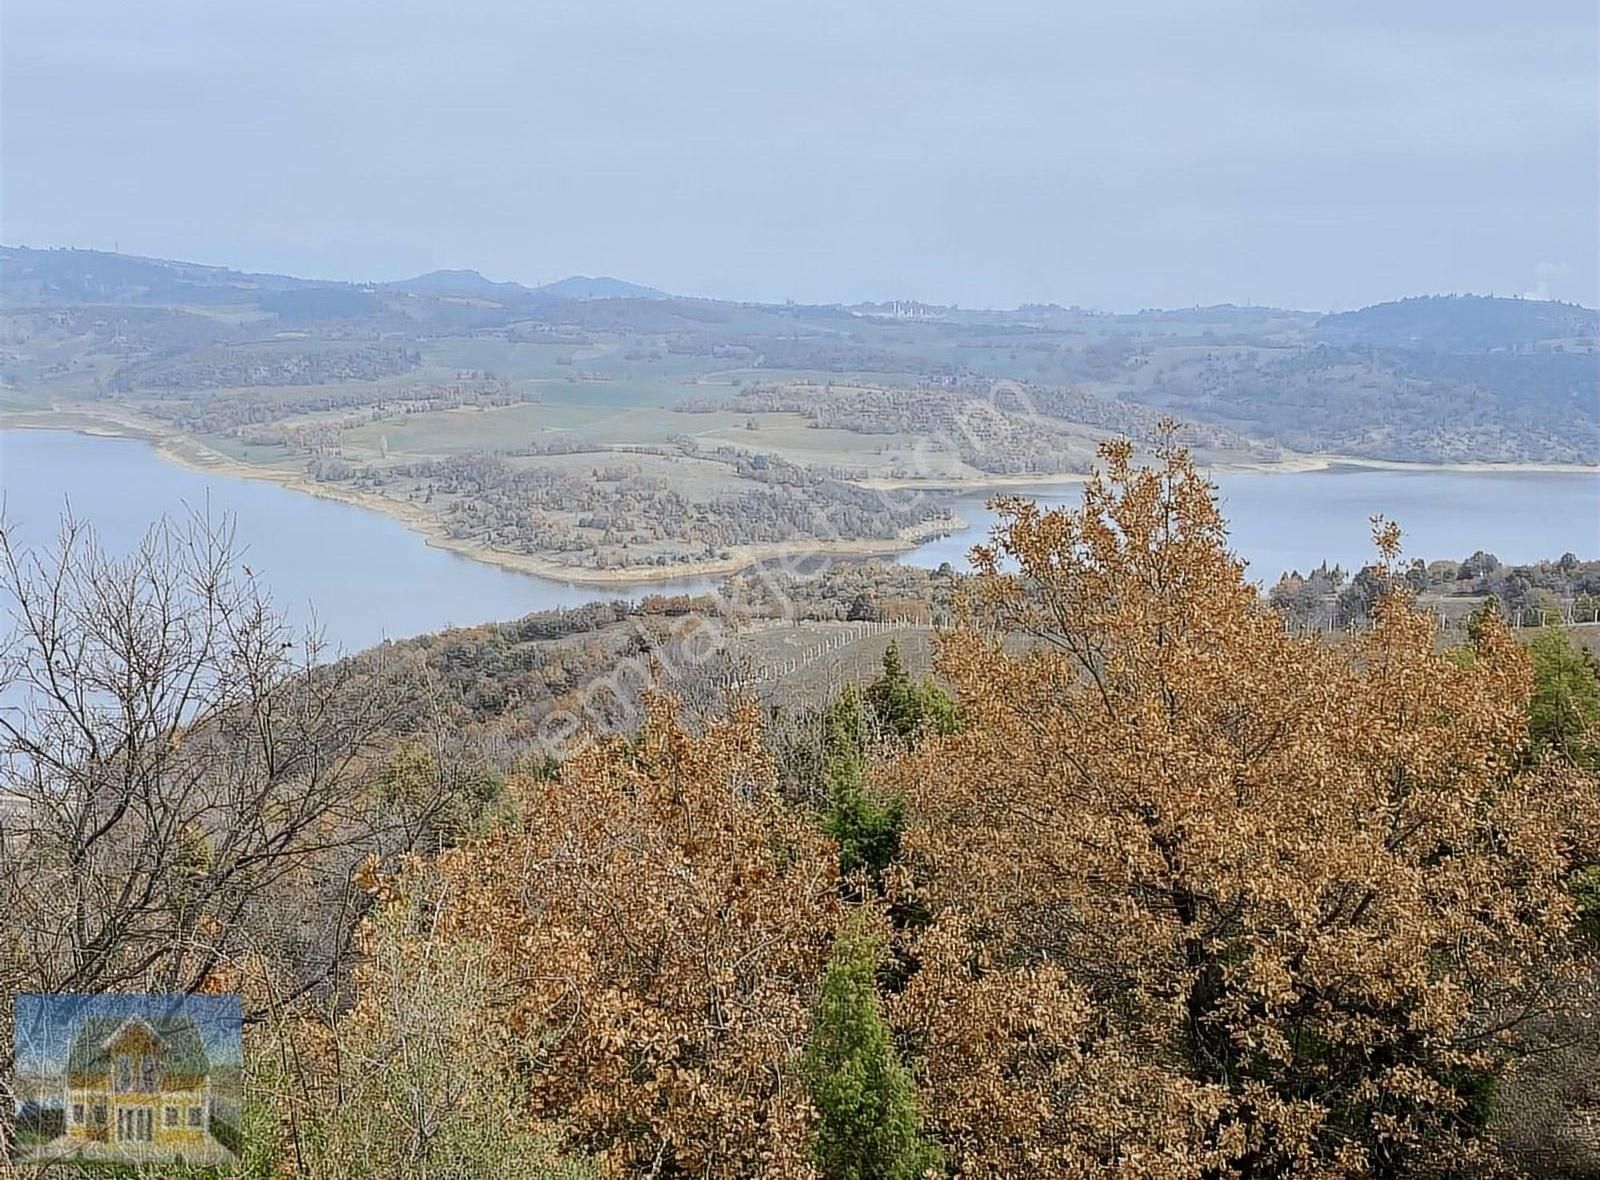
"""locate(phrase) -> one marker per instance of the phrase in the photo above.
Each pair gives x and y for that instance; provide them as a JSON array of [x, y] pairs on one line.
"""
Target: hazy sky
[[1119, 154]]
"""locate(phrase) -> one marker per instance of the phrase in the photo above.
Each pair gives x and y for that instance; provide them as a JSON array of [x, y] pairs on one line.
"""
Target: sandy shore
[[187, 451]]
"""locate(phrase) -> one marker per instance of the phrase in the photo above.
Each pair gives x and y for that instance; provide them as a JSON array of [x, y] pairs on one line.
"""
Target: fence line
[[855, 633], [1568, 615]]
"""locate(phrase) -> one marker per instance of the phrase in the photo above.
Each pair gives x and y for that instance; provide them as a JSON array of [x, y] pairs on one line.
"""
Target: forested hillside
[[1463, 324]]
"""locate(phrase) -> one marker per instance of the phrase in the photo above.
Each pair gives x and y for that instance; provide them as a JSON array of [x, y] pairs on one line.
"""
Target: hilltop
[[458, 282], [601, 287]]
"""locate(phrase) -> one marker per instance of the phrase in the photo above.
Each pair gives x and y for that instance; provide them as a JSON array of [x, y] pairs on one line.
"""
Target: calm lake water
[[362, 576], [1280, 522], [367, 577]]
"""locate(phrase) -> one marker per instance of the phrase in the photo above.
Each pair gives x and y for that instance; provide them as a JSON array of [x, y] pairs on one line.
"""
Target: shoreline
[[1466, 467], [1289, 464], [185, 451]]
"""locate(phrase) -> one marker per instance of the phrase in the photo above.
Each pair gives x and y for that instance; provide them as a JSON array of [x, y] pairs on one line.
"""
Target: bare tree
[[180, 772]]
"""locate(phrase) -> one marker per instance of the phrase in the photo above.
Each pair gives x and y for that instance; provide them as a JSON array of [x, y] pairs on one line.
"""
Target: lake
[[361, 575], [364, 576], [1283, 521]]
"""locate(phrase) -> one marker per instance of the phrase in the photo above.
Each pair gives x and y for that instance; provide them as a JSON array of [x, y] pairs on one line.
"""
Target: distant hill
[[1463, 323], [458, 282], [584, 287], [98, 276]]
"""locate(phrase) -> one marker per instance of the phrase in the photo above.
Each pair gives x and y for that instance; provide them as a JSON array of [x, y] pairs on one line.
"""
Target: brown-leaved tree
[[1208, 899], [660, 924]]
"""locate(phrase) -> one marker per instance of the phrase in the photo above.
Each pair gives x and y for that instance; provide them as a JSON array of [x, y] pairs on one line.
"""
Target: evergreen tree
[[893, 696], [903, 706], [844, 734], [868, 1124], [1564, 714], [1586, 892], [867, 831]]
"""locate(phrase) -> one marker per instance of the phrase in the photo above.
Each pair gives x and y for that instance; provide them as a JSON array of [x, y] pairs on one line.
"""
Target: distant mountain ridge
[[471, 283], [1441, 322], [86, 276], [91, 276]]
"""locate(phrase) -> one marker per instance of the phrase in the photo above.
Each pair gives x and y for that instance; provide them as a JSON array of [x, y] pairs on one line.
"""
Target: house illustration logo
[[130, 1078]]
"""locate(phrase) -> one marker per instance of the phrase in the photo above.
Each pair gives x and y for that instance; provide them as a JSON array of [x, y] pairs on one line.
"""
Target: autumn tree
[[867, 1125], [1546, 1114], [1209, 899], [658, 924]]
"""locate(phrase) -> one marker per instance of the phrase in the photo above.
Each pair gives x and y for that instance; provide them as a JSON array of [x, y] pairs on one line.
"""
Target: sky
[[1119, 154]]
